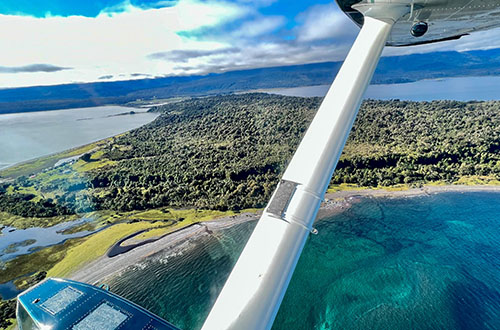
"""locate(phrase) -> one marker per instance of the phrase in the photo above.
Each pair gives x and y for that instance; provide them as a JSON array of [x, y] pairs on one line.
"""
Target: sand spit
[[104, 266]]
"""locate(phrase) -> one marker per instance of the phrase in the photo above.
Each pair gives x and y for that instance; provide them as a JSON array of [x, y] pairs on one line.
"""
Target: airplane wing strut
[[254, 290]]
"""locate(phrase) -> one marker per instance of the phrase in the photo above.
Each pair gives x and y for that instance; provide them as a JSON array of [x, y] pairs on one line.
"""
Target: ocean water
[[428, 262]]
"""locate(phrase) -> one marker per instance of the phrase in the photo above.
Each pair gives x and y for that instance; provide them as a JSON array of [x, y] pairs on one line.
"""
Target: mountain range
[[395, 69]]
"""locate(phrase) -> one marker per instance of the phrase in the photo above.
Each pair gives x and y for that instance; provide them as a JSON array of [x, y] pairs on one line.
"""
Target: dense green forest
[[228, 152]]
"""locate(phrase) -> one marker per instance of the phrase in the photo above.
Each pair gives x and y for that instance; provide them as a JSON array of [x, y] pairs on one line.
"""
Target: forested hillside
[[419, 142], [227, 152], [220, 152]]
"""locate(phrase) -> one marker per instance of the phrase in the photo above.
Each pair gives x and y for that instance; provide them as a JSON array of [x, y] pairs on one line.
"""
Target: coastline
[[425, 190], [104, 266], [8, 171], [336, 202]]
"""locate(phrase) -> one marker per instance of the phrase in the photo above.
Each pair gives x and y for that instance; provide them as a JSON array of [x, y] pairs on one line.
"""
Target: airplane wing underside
[[446, 19]]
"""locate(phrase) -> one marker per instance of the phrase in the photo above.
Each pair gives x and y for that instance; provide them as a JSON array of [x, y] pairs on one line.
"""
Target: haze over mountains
[[398, 69]]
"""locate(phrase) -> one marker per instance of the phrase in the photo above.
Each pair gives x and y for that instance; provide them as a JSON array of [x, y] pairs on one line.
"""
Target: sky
[[47, 42]]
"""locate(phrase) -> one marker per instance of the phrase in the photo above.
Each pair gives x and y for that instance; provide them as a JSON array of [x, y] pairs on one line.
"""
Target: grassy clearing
[[398, 187], [81, 166], [345, 187], [7, 219], [13, 325], [109, 217], [105, 218], [465, 180], [94, 247], [41, 260], [475, 180], [185, 215], [437, 184], [157, 232], [27, 191], [183, 218], [355, 187], [54, 175], [100, 219], [29, 167], [97, 155]]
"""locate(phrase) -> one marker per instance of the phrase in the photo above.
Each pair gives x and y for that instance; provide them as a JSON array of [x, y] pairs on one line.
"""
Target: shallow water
[[28, 135], [11, 239], [181, 287], [429, 262], [9, 290]]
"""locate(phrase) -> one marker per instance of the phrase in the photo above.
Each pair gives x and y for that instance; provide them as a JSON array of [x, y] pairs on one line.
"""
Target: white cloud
[[260, 26], [109, 44], [325, 22], [259, 3], [265, 54], [188, 37]]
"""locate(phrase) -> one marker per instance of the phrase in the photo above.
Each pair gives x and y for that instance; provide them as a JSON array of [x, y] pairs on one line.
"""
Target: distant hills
[[397, 69]]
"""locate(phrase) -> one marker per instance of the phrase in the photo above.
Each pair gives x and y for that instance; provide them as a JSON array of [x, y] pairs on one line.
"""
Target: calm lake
[[25, 136], [459, 89]]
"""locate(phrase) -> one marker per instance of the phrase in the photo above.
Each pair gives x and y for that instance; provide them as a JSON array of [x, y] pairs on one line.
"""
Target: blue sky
[[62, 41], [40, 8]]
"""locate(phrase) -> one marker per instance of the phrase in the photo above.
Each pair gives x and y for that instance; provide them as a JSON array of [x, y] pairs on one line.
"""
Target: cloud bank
[[32, 68], [182, 37]]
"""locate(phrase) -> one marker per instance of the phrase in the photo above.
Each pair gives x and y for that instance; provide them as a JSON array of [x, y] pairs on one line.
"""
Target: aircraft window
[[61, 300], [104, 317]]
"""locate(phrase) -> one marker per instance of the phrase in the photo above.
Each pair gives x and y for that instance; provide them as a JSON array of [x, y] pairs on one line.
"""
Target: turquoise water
[[430, 262]]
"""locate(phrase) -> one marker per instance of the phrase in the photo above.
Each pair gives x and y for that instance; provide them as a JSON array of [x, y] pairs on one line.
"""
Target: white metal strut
[[254, 290]]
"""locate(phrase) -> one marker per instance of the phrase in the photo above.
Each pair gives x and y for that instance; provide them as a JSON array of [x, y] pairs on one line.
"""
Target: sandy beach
[[336, 202], [105, 267]]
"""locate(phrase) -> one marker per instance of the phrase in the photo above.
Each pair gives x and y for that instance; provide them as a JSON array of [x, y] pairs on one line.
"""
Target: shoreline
[[425, 190], [52, 158], [73, 107], [104, 267]]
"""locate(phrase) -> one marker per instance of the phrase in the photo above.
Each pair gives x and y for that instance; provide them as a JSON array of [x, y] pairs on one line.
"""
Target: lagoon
[[15, 242], [28, 135]]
